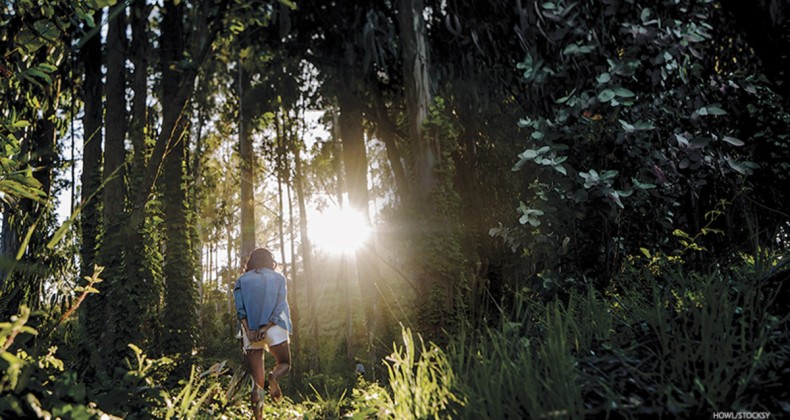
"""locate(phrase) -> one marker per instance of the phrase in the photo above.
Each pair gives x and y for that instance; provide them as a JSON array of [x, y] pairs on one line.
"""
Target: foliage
[[643, 134], [679, 345], [421, 381], [505, 373], [33, 383]]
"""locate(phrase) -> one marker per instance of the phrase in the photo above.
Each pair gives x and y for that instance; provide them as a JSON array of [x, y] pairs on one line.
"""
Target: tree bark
[[388, 132], [417, 84], [115, 123], [307, 261], [93, 310], [180, 320], [355, 162], [247, 167], [90, 179], [139, 50], [121, 325]]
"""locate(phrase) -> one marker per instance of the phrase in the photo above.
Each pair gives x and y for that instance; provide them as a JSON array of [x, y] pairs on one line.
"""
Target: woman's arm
[[241, 312], [282, 301]]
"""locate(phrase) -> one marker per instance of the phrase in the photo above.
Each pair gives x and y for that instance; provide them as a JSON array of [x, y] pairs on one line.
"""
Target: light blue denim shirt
[[261, 297]]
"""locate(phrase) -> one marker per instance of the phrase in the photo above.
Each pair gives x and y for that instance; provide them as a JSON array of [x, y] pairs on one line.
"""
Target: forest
[[484, 209]]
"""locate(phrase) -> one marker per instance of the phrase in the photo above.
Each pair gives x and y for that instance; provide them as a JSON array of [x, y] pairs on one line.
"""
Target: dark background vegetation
[[580, 208]]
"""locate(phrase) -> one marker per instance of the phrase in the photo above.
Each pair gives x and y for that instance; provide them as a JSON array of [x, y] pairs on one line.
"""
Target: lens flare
[[338, 231]]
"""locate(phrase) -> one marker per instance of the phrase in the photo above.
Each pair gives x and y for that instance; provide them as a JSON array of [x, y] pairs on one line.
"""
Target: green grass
[[667, 344]]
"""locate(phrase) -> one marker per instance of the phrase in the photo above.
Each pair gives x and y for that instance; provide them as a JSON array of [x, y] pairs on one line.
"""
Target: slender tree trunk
[[344, 277], [417, 84], [433, 202], [229, 280], [386, 131], [93, 310], [180, 295], [115, 126], [281, 177], [307, 261], [296, 280], [140, 51], [355, 162], [123, 320], [247, 168]]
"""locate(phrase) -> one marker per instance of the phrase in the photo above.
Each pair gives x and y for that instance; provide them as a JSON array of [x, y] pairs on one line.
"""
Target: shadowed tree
[[94, 309], [180, 300]]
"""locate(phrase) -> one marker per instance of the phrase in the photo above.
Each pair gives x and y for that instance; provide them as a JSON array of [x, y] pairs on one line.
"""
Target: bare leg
[[282, 358], [256, 367]]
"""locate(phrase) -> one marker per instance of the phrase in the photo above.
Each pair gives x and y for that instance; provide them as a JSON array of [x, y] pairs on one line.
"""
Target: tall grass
[[420, 380], [503, 373], [707, 338], [686, 344]]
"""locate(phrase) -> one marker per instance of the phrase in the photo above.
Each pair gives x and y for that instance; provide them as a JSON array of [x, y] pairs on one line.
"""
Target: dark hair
[[260, 258]]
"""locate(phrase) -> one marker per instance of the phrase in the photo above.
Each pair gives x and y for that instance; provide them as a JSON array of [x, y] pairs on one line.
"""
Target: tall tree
[[355, 162], [308, 282], [180, 312], [93, 310], [247, 164], [417, 85]]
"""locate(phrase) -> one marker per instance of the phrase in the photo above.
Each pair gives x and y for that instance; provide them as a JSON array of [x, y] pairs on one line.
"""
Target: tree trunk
[[307, 262], [343, 275], [93, 311], [387, 132], [417, 84], [123, 321], [180, 295], [247, 168], [355, 162], [139, 50], [296, 280]]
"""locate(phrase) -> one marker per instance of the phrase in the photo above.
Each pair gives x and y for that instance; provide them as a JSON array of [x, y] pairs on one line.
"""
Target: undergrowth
[[655, 344]]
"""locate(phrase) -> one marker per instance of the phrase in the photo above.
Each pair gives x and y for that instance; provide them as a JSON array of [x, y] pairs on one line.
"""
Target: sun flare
[[338, 230]]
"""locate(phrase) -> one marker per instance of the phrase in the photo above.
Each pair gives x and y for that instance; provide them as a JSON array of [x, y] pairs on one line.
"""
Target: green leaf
[[603, 78], [733, 141], [99, 4], [37, 73], [629, 128], [714, 110], [46, 67], [623, 92], [642, 185], [528, 154], [561, 169], [606, 95], [565, 98], [645, 15], [291, 5], [711, 110]]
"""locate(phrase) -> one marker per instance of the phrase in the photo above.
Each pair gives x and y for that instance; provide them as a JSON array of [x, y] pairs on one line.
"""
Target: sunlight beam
[[338, 231]]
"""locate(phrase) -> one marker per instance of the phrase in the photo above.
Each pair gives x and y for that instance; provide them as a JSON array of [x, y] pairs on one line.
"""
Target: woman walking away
[[262, 306]]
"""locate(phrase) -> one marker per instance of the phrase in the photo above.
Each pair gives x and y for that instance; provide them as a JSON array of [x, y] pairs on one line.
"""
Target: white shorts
[[274, 336]]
